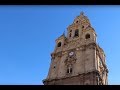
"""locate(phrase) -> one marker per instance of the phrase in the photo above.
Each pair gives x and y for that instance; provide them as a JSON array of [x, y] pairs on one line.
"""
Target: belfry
[[77, 58]]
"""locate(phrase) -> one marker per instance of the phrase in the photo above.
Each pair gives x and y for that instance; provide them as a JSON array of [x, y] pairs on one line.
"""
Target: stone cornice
[[79, 47]]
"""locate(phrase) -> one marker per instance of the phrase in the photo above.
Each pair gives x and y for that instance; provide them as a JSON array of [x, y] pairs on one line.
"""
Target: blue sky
[[28, 33]]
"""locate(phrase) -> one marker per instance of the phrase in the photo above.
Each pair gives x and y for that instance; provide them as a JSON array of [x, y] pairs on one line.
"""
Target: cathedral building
[[77, 58]]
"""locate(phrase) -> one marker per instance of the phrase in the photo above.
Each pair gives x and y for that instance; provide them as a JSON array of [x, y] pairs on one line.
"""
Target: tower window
[[87, 36], [54, 66], [70, 35], [59, 44], [76, 21], [82, 26], [69, 69], [76, 33]]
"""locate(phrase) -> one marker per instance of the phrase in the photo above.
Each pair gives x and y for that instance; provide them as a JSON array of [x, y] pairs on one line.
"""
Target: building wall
[[87, 62]]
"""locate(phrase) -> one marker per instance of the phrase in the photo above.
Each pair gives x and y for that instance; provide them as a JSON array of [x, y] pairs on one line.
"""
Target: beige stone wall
[[86, 79], [86, 61]]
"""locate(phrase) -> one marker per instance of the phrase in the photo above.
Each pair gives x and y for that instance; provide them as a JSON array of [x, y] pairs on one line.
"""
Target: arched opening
[[70, 35], [76, 21], [69, 69], [70, 30], [54, 66], [59, 44], [76, 33], [87, 36], [82, 26]]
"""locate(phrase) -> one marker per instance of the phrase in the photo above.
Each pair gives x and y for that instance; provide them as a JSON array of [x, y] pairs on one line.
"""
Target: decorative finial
[[82, 13]]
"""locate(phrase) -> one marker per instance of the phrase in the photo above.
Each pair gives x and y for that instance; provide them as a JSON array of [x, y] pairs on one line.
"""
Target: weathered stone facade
[[77, 58]]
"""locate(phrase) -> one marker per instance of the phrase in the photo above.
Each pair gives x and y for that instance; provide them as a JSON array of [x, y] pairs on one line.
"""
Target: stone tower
[[77, 58]]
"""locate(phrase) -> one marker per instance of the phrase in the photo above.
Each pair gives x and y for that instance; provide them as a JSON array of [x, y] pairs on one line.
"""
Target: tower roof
[[81, 18]]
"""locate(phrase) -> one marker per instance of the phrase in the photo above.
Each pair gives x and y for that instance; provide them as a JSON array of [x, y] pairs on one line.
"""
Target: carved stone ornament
[[59, 54], [71, 58]]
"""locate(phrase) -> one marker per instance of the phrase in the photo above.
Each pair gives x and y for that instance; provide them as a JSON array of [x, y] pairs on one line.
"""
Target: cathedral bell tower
[[77, 58]]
